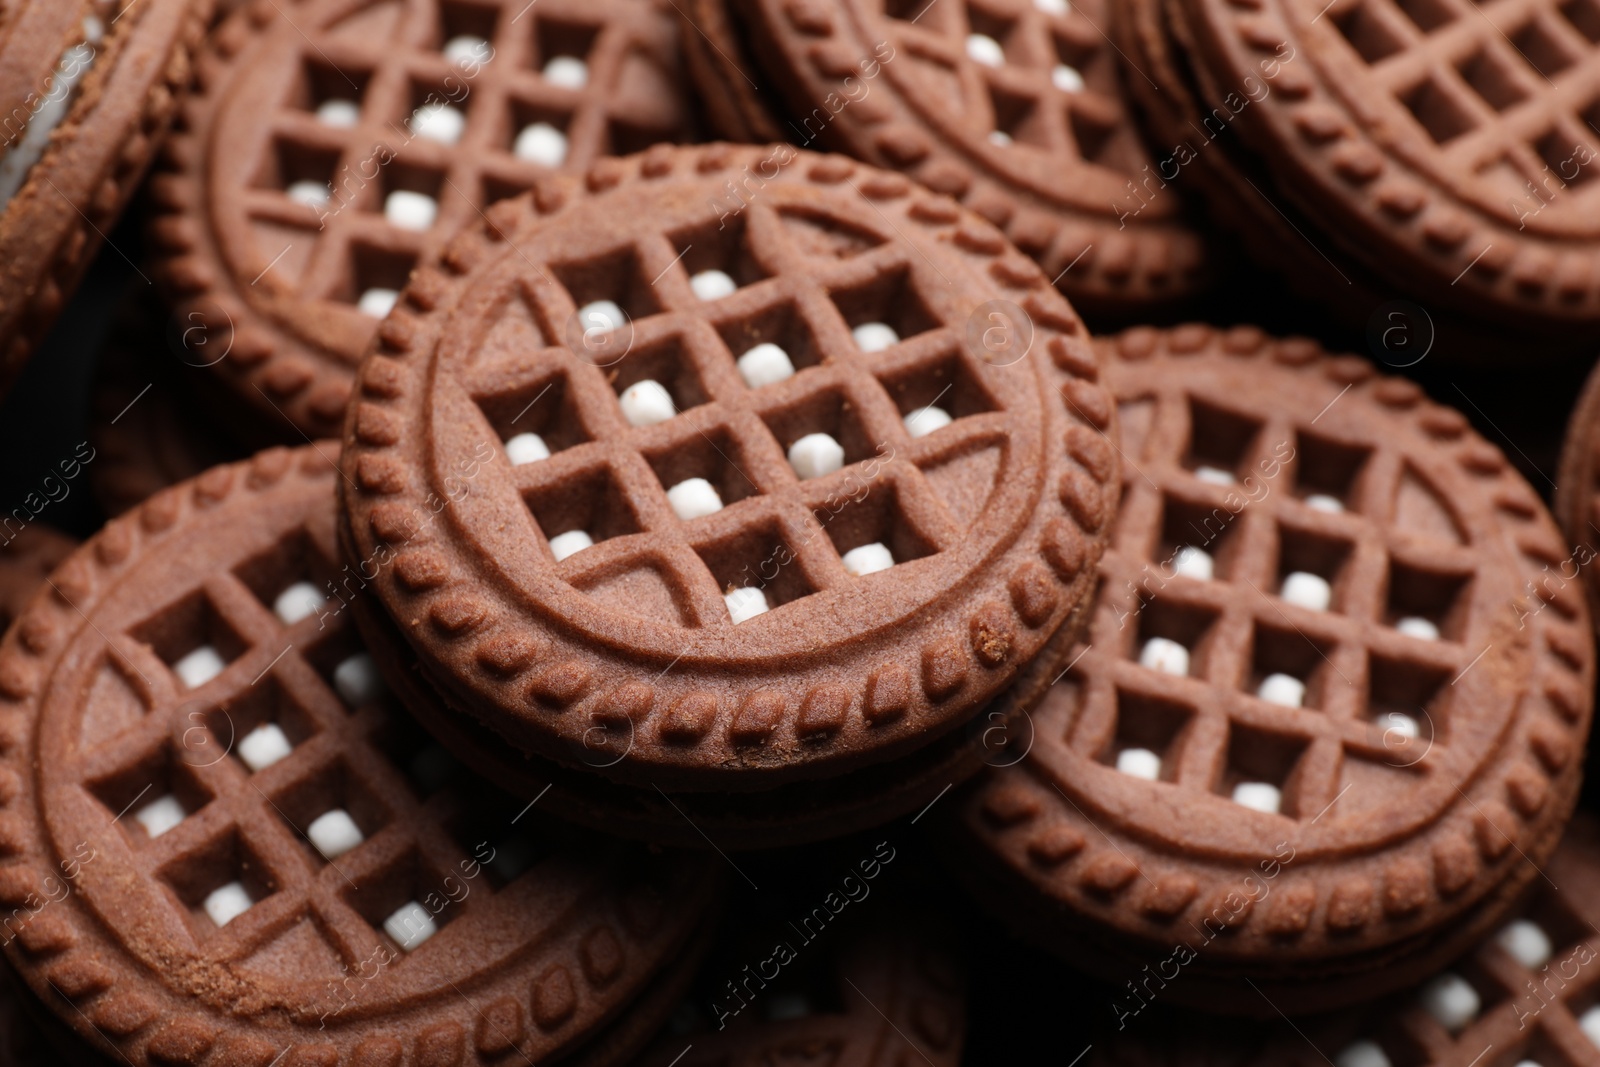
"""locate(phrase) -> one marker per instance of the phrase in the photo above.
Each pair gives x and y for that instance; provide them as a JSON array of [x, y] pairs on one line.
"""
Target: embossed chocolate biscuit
[[785, 484], [1524, 996], [87, 91], [224, 844], [1446, 149], [27, 556], [1322, 728], [1014, 107], [739, 107], [335, 145]]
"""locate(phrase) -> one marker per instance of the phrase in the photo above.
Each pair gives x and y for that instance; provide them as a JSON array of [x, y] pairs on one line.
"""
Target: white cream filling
[[49, 110]]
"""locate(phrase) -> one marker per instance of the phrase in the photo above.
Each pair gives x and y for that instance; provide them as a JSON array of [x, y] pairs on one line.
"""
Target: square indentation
[[1570, 160], [1197, 539], [1563, 928], [259, 728], [781, 325], [1367, 31], [409, 900], [648, 589], [537, 131], [871, 530], [994, 26], [152, 794], [1094, 132], [322, 84], [615, 276], [403, 181], [298, 169], [375, 270], [312, 806], [1018, 118], [1542, 47], [716, 254], [665, 362], [1421, 594], [1149, 737], [715, 456], [890, 300], [1460, 996], [1439, 112], [827, 412], [1491, 79], [757, 558], [554, 36], [289, 578], [192, 638], [1327, 470], [463, 18], [545, 408], [218, 882], [1262, 769], [1220, 441], [819, 235], [1304, 555], [1407, 697], [1288, 667], [946, 384], [1429, 15], [591, 503], [1167, 626], [1584, 16]]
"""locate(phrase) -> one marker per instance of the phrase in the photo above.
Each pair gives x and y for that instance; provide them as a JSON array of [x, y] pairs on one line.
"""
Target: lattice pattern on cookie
[[1032, 73], [768, 525], [1507, 91]]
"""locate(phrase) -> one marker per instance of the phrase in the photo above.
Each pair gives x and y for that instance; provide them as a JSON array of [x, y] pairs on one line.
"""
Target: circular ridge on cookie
[[1320, 704], [214, 818], [582, 556], [332, 149]]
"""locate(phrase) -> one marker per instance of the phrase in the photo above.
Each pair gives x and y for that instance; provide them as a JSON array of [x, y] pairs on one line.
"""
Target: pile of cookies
[[664, 531]]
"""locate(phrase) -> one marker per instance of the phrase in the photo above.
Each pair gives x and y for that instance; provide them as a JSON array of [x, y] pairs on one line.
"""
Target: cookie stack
[[558, 564]]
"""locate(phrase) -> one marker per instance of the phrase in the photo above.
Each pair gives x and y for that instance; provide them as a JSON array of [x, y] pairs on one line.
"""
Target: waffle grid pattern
[[777, 531], [252, 828], [1212, 732]]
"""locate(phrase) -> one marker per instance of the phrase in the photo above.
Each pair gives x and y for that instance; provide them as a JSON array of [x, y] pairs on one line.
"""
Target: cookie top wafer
[[1014, 107], [333, 147], [87, 88], [241, 852], [1448, 146], [807, 525], [1321, 706], [1525, 995], [27, 557]]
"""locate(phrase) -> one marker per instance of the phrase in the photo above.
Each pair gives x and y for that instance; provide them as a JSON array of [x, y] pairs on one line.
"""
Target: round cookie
[[328, 153], [27, 557], [88, 88], [795, 814], [1325, 721], [860, 528], [148, 429], [227, 843], [1016, 108], [1431, 145], [1525, 993]]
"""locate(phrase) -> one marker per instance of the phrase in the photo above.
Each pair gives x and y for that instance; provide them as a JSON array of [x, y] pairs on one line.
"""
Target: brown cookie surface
[[88, 91], [899, 517], [229, 844], [27, 557], [1016, 108], [1525, 995], [1577, 494], [1323, 723], [331, 151]]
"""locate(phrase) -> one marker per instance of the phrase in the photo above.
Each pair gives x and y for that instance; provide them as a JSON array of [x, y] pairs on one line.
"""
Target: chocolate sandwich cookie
[[332, 147], [738, 107], [1576, 493], [226, 845], [1444, 149], [1525, 996], [27, 556], [1016, 108], [769, 465], [87, 91], [881, 993], [148, 428], [1325, 724]]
